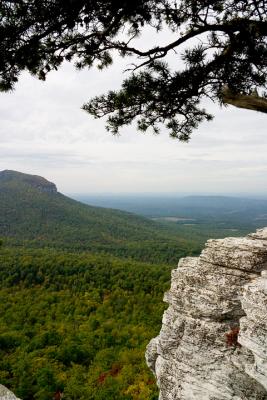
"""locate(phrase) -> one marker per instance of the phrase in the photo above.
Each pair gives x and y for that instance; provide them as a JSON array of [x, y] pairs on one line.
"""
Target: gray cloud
[[43, 131]]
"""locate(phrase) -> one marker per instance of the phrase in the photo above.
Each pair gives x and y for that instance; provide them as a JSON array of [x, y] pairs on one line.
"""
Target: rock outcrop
[[213, 341], [6, 394]]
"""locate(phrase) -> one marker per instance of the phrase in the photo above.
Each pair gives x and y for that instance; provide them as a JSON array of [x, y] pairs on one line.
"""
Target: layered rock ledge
[[6, 394], [213, 340]]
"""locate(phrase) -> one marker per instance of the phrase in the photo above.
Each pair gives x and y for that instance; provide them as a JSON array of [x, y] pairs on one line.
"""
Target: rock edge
[[213, 340], [6, 394]]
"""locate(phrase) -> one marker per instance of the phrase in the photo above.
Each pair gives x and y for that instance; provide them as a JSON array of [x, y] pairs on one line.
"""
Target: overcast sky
[[43, 131]]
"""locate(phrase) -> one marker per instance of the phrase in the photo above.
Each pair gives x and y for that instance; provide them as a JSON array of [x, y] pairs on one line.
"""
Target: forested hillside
[[75, 319], [34, 215]]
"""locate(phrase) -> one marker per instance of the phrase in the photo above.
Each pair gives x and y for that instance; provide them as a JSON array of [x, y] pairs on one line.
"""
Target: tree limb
[[247, 101]]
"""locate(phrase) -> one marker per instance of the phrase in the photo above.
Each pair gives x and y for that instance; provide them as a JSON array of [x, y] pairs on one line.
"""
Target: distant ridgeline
[[33, 212], [34, 181]]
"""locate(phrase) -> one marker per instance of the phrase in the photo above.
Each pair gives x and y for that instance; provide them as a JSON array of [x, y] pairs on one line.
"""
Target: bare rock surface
[[213, 340], [6, 394]]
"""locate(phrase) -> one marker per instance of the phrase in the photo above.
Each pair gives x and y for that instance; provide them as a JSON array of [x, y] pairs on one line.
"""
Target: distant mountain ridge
[[33, 211], [35, 181], [199, 207]]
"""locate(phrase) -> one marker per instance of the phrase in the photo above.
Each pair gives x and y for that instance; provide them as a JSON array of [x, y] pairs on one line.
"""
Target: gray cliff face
[[213, 340], [6, 394]]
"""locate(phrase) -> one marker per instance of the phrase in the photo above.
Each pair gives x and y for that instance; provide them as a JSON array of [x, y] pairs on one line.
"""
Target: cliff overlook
[[213, 340]]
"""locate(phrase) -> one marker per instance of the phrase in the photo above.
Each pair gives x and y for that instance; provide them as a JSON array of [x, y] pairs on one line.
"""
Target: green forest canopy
[[220, 48], [86, 335]]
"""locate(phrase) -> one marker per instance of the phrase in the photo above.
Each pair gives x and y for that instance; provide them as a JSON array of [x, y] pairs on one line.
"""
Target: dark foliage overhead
[[220, 47]]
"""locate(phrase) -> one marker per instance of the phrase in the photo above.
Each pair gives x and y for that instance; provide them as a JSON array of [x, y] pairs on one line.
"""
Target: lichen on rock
[[213, 340]]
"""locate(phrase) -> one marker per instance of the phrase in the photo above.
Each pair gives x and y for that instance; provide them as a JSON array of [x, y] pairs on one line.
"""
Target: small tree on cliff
[[220, 46]]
